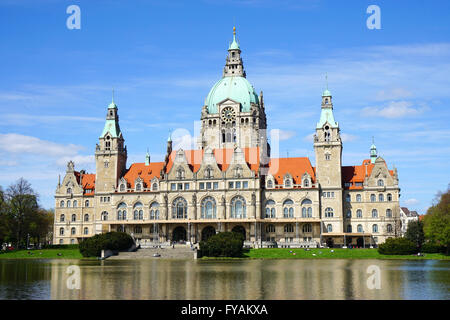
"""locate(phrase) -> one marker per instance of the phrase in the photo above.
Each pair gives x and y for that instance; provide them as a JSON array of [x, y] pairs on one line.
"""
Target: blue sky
[[162, 57]]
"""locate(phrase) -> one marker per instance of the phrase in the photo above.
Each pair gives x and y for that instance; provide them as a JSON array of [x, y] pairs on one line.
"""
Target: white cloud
[[393, 94], [394, 109], [281, 134], [348, 137], [411, 202]]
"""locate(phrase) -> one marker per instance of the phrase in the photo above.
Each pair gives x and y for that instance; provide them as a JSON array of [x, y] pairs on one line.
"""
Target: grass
[[281, 253], [42, 254]]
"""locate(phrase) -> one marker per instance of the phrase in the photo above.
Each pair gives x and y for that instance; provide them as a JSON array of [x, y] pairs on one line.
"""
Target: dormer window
[[238, 172], [180, 173], [122, 187], [69, 190], [208, 173], [138, 187], [287, 181], [155, 187], [270, 183], [380, 183]]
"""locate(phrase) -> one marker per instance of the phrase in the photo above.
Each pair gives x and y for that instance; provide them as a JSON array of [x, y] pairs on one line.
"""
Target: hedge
[[223, 244], [400, 246], [93, 246], [430, 247], [60, 246]]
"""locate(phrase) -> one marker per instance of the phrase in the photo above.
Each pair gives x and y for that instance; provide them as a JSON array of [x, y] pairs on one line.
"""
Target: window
[[307, 228], [154, 228], [155, 186], [306, 183], [349, 213], [238, 208], [72, 241], [154, 211], [347, 184], [374, 213], [373, 198], [208, 208], [73, 231], [62, 218], [348, 198], [388, 213], [122, 211], [106, 164], [288, 208], [186, 186], [270, 209], [85, 231], [389, 197], [288, 228], [306, 208], [122, 187], [270, 228], [328, 213], [202, 185], [329, 228], [61, 204], [86, 203], [69, 190], [287, 183], [359, 213], [75, 203], [179, 186], [180, 173], [269, 183], [61, 231], [349, 228], [138, 229], [327, 156], [61, 241], [380, 183], [231, 184], [359, 228], [208, 173], [389, 228], [138, 213], [173, 186], [375, 228], [381, 197], [105, 216], [215, 185], [245, 184], [68, 204], [179, 208], [74, 217], [86, 217], [358, 198], [138, 187], [238, 172], [238, 184]]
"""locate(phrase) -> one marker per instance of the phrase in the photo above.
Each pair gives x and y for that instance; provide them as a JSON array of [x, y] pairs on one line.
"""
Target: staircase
[[179, 252]]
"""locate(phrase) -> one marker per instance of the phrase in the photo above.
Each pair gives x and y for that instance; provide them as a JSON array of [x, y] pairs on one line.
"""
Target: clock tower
[[233, 114]]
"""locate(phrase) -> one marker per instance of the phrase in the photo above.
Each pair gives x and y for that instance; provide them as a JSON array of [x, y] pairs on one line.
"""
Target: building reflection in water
[[254, 279]]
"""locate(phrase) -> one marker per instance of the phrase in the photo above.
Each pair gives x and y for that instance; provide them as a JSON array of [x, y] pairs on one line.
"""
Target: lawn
[[42, 254], [281, 253]]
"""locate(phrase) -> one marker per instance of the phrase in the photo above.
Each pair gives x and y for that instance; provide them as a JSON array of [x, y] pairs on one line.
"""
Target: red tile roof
[[147, 173], [296, 167], [353, 174]]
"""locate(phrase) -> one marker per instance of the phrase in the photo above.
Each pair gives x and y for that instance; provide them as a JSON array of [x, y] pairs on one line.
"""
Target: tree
[[415, 233], [437, 221]]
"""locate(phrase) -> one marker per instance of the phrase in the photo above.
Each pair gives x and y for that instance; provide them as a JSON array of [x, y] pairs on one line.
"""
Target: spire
[[326, 93], [234, 45], [112, 121], [112, 105], [326, 114], [373, 151], [234, 66], [147, 158]]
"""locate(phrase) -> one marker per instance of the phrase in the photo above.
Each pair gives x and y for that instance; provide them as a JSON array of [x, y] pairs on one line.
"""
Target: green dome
[[234, 88], [326, 93]]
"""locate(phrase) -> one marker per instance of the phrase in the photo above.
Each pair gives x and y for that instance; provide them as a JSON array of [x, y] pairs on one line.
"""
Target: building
[[406, 216], [230, 183]]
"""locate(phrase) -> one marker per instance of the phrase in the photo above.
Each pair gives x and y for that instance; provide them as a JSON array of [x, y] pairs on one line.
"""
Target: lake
[[228, 279]]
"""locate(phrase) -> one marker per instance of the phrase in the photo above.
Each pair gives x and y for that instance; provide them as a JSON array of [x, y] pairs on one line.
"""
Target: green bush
[[93, 246], [397, 246], [60, 246], [430, 247], [223, 244]]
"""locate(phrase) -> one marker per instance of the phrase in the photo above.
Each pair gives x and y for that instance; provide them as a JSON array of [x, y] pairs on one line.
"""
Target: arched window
[[306, 208], [74, 217], [122, 211], [68, 204], [287, 182], [105, 216], [389, 197], [138, 187], [238, 208], [381, 197], [389, 228], [307, 228], [180, 173], [288, 228], [69, 190], [373, 198], [380, 183], [208, 173], [138, 213], [61, 231], [62, 218], [61, 241], [375, 228], [329, 213], [359, 228], [154, 211], [349, 213], [86, 203], [288, 208], [86, 217], [122, 187], [270, 228], [270, 209], [75, 203], [348, 198], [358, 198], [374, 213], [238, 172], [269, 183], [388, 213], [61, 204], [179, 208], [349, 228], [208, 208], [73, 231], [329, 228], [359, 213], [155, 187], [306, 183], [86, 230]]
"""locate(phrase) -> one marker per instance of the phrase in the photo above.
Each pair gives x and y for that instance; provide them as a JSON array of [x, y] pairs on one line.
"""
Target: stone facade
[[230, 183]]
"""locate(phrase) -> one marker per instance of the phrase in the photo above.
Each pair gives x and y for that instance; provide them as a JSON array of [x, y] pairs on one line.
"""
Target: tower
[[233, 114], [110, 153], [328, 151], [373, 152]]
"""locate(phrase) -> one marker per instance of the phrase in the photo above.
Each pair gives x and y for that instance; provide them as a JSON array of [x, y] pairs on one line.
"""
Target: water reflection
[[252, 279]]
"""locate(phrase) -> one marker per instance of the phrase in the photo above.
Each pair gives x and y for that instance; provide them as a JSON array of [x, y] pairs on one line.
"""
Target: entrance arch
[[330, 243], [208, 232], [239, 229], [179, 234]]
